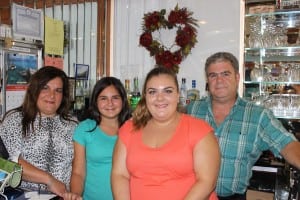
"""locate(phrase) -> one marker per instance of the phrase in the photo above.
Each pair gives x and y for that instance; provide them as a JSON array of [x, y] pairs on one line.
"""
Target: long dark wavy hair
[[93, 112], [141, 114], [37, 82]]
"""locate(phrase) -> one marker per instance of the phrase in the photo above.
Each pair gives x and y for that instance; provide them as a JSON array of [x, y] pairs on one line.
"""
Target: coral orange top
[[165, 172]]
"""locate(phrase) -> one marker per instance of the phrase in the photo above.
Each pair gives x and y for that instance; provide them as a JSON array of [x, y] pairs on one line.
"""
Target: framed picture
[[82, 71], [27, 22], [20, 67]]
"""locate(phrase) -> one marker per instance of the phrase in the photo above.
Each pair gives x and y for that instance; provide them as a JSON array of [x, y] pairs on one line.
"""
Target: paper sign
[[54, 36], [55, 62]]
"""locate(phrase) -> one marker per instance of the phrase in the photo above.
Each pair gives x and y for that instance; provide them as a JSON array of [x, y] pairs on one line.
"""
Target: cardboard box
[[258, 195], [261, 9]]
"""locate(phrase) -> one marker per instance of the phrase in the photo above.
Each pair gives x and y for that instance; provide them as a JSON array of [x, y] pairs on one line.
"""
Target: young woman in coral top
[[161, 153]]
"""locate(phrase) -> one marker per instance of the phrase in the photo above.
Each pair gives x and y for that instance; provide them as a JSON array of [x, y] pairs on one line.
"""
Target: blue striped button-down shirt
[[243, 135]]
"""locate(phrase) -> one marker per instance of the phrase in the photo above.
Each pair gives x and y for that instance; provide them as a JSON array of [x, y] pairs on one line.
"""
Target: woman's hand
[[71, 196], [55, 186]]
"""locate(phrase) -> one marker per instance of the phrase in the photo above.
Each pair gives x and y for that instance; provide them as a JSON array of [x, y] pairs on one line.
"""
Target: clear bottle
[[79, 88], [127, 89], [135, 95], [193, 94], [183, 93], [79, 96]]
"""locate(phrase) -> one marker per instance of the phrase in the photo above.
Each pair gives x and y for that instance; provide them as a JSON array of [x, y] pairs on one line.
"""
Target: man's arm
[[291, 153]]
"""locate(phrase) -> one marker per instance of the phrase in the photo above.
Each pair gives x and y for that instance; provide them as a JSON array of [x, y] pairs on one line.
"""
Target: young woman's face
[[50, 97], [162, 96], [109, 103]]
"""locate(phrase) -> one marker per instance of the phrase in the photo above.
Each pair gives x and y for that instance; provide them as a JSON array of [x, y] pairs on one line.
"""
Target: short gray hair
[[222, 56]]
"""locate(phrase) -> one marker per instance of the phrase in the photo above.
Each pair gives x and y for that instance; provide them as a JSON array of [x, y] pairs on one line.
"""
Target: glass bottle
[[183, 93], [79, 96], [193, 94], [127, 89], [135, 95]]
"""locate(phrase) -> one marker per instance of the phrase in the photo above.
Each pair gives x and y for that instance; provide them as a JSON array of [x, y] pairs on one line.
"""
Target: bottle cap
[[193, 83]]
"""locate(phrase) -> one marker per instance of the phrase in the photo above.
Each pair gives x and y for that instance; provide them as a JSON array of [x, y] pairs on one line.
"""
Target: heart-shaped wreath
[[186, 36]]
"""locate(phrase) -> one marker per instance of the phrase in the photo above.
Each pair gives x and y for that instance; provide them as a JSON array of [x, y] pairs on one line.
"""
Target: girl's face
[[109, 103], [162, 97], [50, 97]]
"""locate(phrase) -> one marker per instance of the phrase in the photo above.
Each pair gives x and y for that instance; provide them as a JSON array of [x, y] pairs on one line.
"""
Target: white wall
[[223, 31]]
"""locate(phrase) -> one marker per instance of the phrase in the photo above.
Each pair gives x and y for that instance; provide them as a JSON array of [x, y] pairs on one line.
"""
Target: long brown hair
[[37, 81], [141, 114]]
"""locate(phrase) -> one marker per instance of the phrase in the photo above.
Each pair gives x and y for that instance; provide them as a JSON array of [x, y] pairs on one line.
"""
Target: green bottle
[[135, 95], [128, 91]]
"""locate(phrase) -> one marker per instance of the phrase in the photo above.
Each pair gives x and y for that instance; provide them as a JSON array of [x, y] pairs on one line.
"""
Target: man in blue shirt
[[244, 130]]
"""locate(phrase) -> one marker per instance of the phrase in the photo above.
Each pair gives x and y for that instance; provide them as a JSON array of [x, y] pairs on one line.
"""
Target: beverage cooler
[[18, 61]]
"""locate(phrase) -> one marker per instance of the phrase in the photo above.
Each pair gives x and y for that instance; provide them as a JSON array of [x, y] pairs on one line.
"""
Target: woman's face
[[50, 97], [109, 103], [162, 97]]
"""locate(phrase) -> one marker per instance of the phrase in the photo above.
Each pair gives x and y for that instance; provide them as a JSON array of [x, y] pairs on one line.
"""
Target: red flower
[[173, 17], [182, 39], [183, 16], [159, 58], [164, 58], [152, 20], [177, 58], [146, 39], [189, 30], [167, 59], [178, 16]]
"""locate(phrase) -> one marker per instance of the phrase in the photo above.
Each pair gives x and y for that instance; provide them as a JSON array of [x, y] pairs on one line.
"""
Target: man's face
[[222, 81]]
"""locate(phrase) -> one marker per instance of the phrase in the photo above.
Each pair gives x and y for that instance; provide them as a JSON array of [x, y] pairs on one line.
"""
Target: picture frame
[[20, 67], [27, 22], [82, 71]]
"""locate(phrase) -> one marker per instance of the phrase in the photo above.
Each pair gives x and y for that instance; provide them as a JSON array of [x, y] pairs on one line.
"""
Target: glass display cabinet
[[272, 59], [272, 76]]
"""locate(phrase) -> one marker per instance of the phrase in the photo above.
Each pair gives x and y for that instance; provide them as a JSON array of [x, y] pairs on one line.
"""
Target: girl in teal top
[[94, 140]]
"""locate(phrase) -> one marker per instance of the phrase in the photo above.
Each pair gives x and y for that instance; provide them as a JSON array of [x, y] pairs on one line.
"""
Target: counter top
[[20, 194]]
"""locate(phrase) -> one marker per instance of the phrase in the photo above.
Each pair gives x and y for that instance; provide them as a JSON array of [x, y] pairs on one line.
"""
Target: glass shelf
[[275, 54], [286, 117], [270, 49], [276, 13], [273, 82]]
